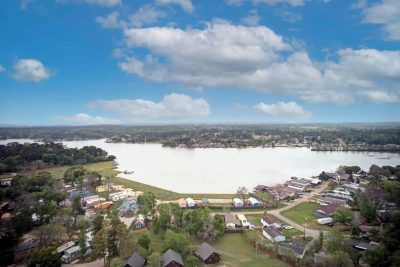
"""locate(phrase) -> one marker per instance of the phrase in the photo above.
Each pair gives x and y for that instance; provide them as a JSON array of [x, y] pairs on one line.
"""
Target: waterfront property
[[231, 222], [271, 221]]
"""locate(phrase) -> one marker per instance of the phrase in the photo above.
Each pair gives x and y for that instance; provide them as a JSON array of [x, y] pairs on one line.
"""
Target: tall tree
[[44, 257], [144, 241]]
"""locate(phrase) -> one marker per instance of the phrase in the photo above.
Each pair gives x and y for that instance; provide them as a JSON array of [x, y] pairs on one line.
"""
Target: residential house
[[65, 246], [271, 221], [182, 203], [231, 222], [71, 254], [324, 201], [135, 260], [253, 202], [207, 254], [237, 203], [273, 235], [326, 211], [171, 259]]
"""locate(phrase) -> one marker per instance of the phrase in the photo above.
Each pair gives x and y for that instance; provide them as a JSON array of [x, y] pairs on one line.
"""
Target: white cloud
[[235, 2], [2, 69], [387, 14], [172, 107], [288, 16], [104, 3], [184, 4], [255, 58], [380, 96], [30, 70], [146, 15], [84, 119], [288, 110], [24, 4], [110, 21], [252, 18], [275, 2]]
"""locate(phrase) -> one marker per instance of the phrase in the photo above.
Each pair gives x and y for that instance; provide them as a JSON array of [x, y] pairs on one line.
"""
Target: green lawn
[[303, 214]]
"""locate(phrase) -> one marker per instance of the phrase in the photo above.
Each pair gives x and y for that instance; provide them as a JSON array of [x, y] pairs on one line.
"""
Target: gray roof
[[298, 249], [135, 260], [205, 251], [229, 218], [272, 232], [171, 255]]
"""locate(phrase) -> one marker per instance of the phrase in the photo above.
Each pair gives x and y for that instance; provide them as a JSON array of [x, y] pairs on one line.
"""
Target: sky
[[84, 62]]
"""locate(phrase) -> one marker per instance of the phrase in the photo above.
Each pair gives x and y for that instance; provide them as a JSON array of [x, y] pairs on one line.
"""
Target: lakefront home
[[269, 220], [171, 259], [273, 235], [231, 222]]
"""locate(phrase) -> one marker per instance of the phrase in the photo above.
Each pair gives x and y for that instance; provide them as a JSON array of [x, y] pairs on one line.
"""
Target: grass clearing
[[303, 214]]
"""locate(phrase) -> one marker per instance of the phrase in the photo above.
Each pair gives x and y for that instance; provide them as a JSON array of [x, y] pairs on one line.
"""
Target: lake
[[223, 170]]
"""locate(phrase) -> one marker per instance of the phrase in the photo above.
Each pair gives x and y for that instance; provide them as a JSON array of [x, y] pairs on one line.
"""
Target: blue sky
[[81, 62]]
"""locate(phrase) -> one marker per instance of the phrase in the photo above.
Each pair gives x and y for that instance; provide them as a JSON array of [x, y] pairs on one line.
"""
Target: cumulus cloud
[[387, 14], [252, 18], [104, 3], [146, 15], [30, 70], [184, 4], [380, 96], [235, 2], [84, 119], [171, 108], [110, 21], [275, 2], [256, 58], [23, 5], [282, 110], [2, 68]]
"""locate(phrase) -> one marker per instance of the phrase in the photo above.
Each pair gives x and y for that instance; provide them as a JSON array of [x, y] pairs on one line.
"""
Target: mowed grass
[[235, 251], [303, 214]]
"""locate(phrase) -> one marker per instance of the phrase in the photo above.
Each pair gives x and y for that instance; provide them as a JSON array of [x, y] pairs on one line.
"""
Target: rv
[[327, 220]]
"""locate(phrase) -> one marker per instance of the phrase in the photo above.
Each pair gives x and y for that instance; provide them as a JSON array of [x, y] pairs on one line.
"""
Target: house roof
[[65, 246], [205, 251], [170, 256], [329, 209], [229, 218], [272, 232], [135, 260], [298, 249], [269, 219], [359, 244]]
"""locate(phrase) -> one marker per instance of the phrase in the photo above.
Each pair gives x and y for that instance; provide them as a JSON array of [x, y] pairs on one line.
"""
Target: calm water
[[223, 170]]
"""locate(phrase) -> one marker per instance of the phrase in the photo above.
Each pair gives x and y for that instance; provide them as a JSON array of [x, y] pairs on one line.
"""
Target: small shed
[[171, 259], [135, 260], [190, 203], [237, 203], [208, 254], [253, 202]]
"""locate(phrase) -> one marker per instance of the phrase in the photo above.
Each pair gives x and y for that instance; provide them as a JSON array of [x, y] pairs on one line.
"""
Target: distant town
[[62, 206]]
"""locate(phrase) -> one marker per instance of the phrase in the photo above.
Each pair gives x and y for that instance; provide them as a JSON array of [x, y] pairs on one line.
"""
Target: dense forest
[[15, 156]]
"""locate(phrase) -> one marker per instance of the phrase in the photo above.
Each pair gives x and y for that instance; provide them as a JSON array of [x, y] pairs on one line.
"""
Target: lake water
[[223, 170]]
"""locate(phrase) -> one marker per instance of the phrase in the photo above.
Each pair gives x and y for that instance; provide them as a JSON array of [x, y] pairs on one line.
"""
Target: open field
[[303, 214], [235, 251]]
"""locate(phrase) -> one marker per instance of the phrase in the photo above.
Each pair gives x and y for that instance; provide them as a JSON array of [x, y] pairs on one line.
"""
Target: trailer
[[324, 221]]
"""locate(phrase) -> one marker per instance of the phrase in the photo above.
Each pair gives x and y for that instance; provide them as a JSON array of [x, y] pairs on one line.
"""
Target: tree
[[242, 191], [154, 260], [343, 215], [7, 241], [338, 259], [44, 257], [50, 233], [22, 222], [175, 241], [72, 174], [117, 262], [144, 241], [100, 244], [191, 261], [82, 241], [112, 243], [98, 223], [367, 210], [147, 202], [333, 241]]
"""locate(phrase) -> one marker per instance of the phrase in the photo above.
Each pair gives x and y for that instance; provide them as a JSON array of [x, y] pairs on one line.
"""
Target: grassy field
[[303, 214], [235, 251]]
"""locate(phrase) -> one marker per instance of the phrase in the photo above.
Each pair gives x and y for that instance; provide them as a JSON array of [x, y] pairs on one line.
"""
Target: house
[[140, 222], [269, 220], [273, 235], [93, 200], [207, 254], [129, 207], [182, 203], [330, 200], [253, 202], [237, 203], [326, 211], [360, 245], [243, 220], [171, 259], [135, 260], [231, 222], [190, 203], [71, 254]]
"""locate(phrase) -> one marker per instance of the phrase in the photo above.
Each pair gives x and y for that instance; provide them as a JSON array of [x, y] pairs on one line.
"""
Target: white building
[[243, 220], [253, 202], [273, 235], [237, 203], [190, 203]]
